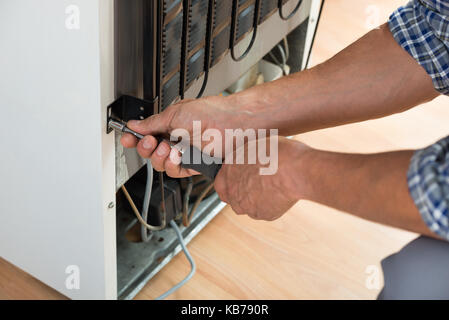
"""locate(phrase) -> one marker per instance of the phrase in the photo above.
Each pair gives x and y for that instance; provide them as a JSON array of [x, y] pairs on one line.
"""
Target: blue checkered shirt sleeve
[[421, 27], [428, 182]]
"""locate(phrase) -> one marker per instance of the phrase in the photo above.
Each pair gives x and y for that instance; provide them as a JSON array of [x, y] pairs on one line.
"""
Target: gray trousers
[[420, 270]]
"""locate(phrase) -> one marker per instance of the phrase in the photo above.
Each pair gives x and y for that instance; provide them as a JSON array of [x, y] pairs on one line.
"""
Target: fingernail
[[162, 150], [147, 145]]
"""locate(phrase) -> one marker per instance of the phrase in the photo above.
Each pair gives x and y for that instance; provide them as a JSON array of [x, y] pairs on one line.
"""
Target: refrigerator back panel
[[195, 37]]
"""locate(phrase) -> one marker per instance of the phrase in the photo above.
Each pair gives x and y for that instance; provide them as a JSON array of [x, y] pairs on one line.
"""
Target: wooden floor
[[313, 252]]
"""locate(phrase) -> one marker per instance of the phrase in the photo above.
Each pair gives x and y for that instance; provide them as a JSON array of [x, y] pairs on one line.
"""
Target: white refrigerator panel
[[57, 164]]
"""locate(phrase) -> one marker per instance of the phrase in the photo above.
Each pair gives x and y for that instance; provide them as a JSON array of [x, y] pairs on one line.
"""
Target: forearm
[[372, 78], [372, 187]]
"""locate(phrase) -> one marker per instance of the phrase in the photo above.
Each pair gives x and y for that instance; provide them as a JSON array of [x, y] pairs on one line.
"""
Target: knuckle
[[239, 211], [220, 187], [247, 210], [148, 121], [128, 141], [172, 169], [143, 153], [254, 216], [172, 113], [172, 173], [158, 164], [162, 152]]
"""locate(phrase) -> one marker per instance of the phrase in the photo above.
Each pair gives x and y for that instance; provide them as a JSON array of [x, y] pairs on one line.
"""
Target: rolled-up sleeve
[[421, 27], [428, 182]]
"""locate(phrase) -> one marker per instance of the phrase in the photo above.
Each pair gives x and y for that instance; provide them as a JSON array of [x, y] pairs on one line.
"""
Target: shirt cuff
[[428, 182], [423, 31]]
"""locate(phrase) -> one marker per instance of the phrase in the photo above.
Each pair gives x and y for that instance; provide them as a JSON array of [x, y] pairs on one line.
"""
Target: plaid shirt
[[422, 28]]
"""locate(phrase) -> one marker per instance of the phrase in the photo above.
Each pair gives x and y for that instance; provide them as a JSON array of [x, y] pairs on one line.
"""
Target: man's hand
[[263, 197], [213, 112], [370, 186], [360, 83]]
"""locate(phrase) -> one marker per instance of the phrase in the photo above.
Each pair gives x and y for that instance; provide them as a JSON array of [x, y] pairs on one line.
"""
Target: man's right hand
[[214, 113]]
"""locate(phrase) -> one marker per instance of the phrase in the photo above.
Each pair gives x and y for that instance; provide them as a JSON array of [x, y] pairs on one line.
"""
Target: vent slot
[[220, 45], [170, 90], [223, 11], [196, 66], [267, 8], [197, 25], [171, 45], [245, 22]]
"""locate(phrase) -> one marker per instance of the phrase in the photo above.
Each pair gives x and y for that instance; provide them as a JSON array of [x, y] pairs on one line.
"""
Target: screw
[[111, 205]]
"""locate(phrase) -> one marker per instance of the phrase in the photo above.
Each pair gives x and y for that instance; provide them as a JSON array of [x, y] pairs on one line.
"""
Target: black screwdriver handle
[[192, 157], [201, 162]]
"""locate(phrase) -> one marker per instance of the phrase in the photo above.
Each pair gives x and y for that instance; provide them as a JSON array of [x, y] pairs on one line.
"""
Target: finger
[[238, 210], [160, 155], [128, 140], [173, 166], [273, 218], [146, 146], [237, 204], [220, 185], [154, 125]]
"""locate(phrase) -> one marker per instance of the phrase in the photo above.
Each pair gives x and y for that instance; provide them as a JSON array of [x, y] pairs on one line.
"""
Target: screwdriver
[[208, 166]]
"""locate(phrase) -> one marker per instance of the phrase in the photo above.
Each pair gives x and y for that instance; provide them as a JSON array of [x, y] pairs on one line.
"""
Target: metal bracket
[[128, 108]]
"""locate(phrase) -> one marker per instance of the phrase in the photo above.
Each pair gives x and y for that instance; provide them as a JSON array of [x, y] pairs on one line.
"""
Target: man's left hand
[[262, 197]]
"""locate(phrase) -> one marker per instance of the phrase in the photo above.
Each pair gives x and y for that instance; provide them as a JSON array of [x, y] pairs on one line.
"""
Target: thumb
[[154, 125]]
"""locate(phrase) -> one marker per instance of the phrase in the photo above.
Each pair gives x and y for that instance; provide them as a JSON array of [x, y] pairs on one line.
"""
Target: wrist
[[300, 175], [272, 105], [254, 108]]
